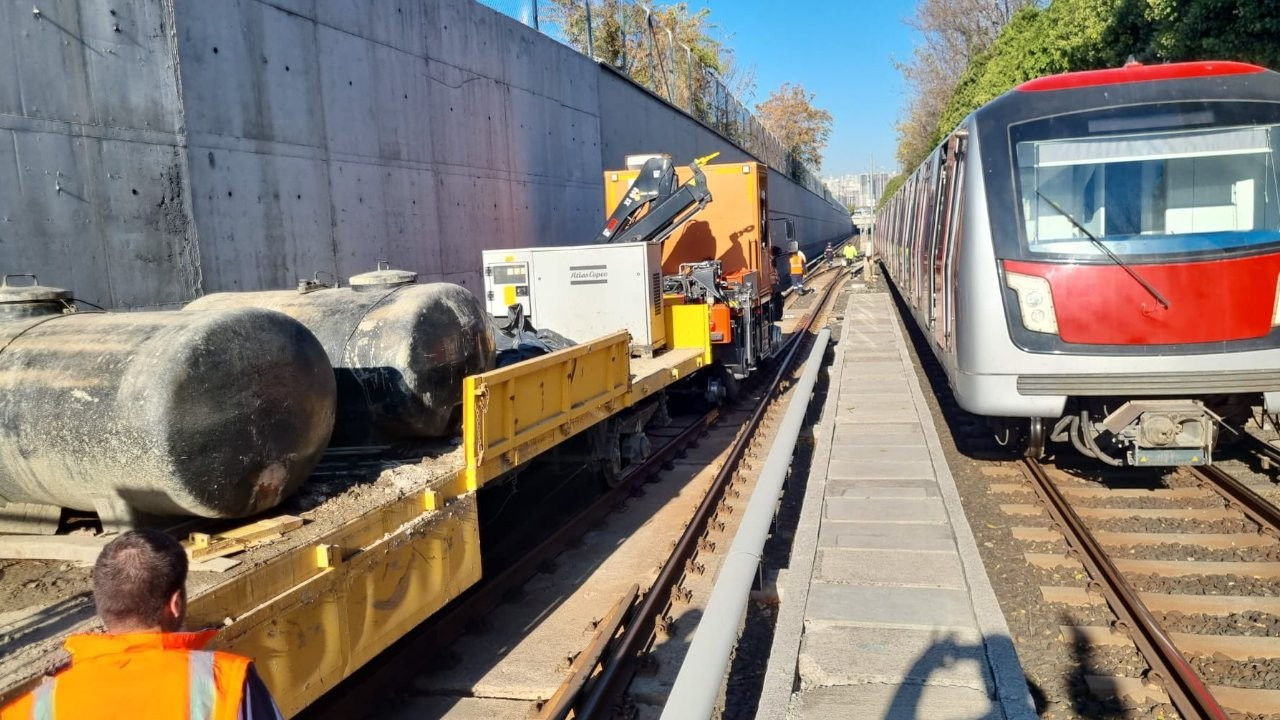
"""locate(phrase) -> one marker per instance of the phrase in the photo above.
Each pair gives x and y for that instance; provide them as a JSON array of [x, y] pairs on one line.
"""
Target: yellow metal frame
[[312, 616], [689, 327], [511, 414]]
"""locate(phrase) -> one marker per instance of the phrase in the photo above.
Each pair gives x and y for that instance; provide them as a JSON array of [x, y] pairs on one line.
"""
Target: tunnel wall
[[155, 150]]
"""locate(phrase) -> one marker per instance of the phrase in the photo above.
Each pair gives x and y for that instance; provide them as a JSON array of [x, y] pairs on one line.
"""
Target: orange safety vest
[[139, 675], [797, 263]]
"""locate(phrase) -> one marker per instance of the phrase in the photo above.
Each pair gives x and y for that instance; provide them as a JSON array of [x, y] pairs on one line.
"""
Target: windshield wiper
[[1106, 250]]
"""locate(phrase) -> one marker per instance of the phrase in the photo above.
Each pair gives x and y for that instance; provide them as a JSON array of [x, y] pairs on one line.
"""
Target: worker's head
[[139, 583]]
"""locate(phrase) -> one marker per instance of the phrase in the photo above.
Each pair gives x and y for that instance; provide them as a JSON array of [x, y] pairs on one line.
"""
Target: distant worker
[[797, 272], [829, 255], [143, 667], [850, 254]]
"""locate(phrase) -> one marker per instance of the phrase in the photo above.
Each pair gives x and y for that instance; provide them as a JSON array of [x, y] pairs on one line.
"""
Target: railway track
[[624, 625], [652, 614], [1160, 587], [1190, 567]]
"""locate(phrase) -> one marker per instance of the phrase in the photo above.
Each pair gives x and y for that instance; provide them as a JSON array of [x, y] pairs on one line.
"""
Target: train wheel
[[1034, 447], [721, 386], [732, 386], [1020, 436]]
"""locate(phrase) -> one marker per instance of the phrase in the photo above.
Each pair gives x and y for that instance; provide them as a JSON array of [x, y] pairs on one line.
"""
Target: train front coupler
[[1154, 432]]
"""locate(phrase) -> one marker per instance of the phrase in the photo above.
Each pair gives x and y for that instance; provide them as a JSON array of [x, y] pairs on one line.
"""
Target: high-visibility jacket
[[797, 263], [139, 675], [850, 252]]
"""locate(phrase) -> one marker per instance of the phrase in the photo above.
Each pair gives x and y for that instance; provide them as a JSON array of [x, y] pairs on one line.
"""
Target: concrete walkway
[[886, 609]]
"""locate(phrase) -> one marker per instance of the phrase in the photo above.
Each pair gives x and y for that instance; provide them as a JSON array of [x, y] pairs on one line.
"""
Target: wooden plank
[[220, 564], [1171, 494], [1216, 541], [77, 548], [202, 546], [1167, 568], [1182, 568], [263, 529], [1093, 513], [1236, 647], [1164, 602]]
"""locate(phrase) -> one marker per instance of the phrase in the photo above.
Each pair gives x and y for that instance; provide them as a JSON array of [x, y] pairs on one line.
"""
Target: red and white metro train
[[1095, 258]]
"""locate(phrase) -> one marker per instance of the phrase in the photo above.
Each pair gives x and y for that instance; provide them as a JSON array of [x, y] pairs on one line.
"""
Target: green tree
[[669, 49], [890, 188], [952, 34], [803, 128], [1072, 35]]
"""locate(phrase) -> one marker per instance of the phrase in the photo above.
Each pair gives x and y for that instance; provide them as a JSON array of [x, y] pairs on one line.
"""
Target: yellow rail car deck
[[315, 607]]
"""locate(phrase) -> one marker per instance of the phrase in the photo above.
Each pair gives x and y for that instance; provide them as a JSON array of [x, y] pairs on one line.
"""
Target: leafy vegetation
[[1059, 36], [626, 34], [802, 127]]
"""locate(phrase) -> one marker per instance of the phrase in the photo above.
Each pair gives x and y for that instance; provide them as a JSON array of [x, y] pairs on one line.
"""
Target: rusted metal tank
[[400, 350], [220, 414]]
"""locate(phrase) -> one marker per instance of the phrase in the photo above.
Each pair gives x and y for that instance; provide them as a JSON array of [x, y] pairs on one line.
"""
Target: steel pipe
[[698, 684]]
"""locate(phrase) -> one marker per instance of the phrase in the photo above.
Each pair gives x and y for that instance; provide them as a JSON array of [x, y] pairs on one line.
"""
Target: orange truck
[[722, 256]]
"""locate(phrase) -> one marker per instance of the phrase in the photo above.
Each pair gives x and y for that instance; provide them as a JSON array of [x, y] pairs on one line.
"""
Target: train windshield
[[1151, 193]]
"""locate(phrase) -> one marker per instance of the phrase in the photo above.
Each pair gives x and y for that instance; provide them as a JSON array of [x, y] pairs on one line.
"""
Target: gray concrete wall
[[93, 188], [330, 134], [633, 120], [154, 150]]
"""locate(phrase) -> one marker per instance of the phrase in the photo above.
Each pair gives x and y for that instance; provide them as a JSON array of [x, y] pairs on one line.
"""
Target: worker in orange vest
[[797, 272], [144, 667]]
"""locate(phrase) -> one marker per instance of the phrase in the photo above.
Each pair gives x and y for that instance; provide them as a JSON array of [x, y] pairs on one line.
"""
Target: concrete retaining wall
[[155, 150]]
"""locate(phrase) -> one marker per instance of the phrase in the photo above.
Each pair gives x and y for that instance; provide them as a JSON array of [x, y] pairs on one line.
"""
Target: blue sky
[[841, 50]]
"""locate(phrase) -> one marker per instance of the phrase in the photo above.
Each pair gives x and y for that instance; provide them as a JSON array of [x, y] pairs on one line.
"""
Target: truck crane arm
[[657, 205]]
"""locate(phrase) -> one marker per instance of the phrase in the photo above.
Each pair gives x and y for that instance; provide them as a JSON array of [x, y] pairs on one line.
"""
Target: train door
[[948, 253], [919, 240], [908, 236], [941, 208], [929, 205]]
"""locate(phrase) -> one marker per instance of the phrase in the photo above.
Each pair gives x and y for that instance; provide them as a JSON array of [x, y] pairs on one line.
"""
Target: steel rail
[[620, 666], [1258, 508], [560, 704], [1270, 453], [1185, 688]]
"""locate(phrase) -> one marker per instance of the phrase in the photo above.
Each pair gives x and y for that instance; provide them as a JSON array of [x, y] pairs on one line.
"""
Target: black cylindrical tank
[[220, 414], [400, 349]]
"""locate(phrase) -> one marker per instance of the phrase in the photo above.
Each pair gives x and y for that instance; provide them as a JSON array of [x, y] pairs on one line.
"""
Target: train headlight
[[1035, 302]]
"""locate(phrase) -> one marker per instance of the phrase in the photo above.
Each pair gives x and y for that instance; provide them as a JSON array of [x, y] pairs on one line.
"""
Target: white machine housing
[[582, 291]]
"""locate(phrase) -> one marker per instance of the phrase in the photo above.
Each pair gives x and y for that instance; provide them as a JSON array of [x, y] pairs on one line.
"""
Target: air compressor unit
[[582, 291]]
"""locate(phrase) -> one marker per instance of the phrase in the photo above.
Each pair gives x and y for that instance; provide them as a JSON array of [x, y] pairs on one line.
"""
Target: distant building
[[860, 190]]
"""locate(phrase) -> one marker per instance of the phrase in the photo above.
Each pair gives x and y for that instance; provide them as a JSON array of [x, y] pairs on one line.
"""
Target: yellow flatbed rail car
[[313, 613]]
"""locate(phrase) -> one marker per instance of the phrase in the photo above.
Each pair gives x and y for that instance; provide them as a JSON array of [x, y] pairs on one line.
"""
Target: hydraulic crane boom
[[657, 205]]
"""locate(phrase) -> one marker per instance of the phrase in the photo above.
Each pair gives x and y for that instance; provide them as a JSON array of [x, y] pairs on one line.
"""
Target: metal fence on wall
[[628, 36]]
